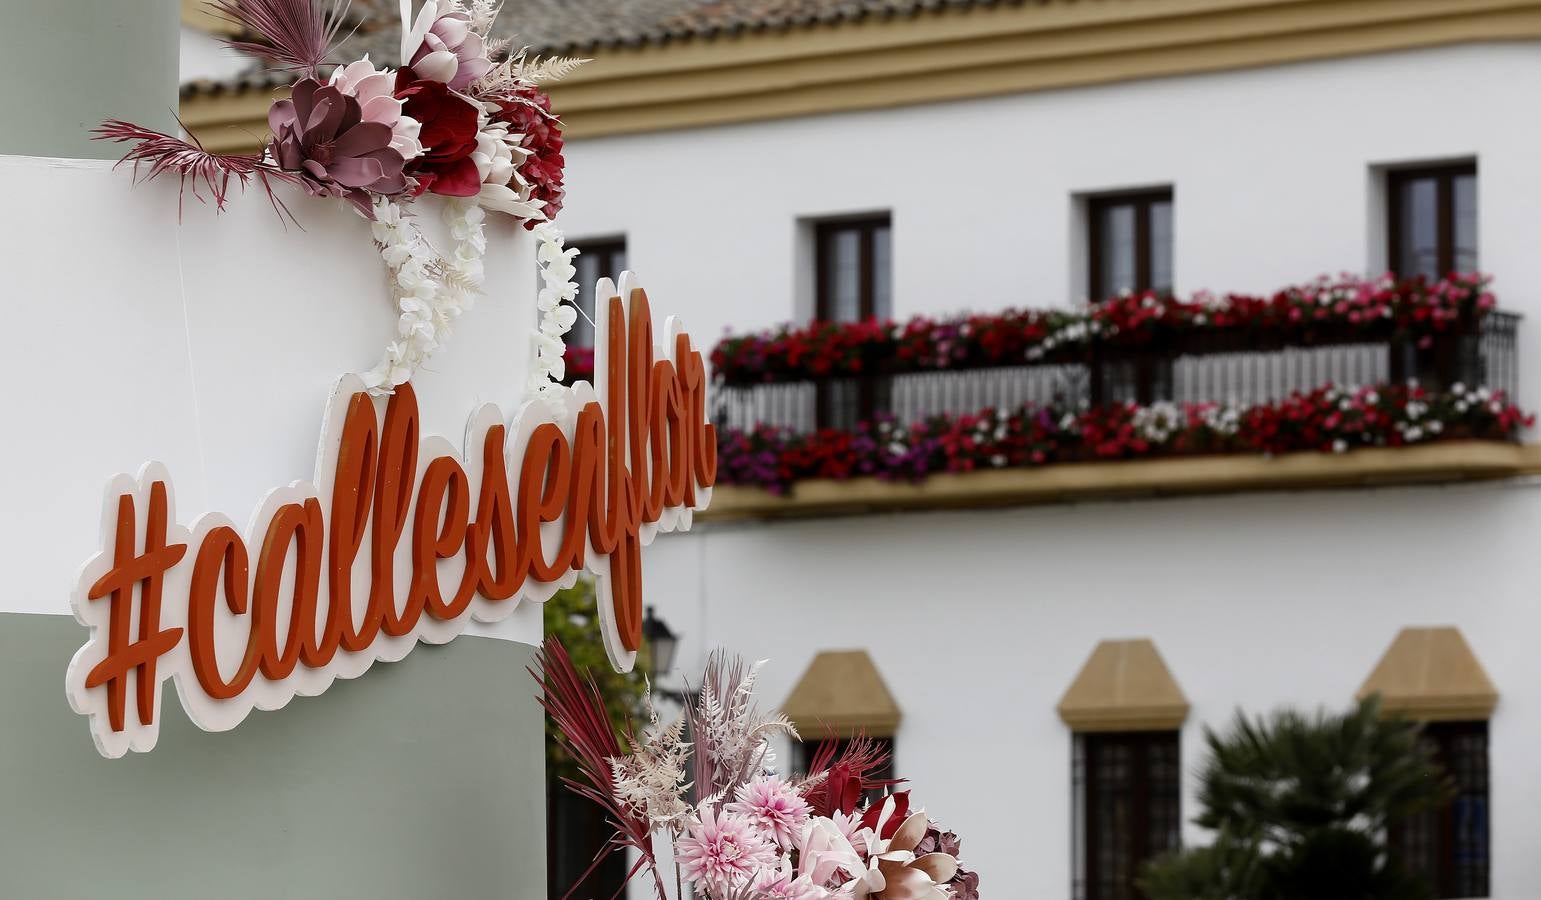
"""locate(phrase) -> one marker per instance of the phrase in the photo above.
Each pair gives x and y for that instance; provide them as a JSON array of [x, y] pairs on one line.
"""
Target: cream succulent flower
[[894, 871]]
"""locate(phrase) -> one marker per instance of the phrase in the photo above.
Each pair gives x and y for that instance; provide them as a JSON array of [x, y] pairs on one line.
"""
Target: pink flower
[[444, 48], [723, 851], [375, 90], [825, 856], [785, 884], [774, 806]]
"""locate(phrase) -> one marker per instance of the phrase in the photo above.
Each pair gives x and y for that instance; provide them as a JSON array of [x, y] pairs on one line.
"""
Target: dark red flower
[[529, 113], [448, 136], [843, 787], [869, 819]]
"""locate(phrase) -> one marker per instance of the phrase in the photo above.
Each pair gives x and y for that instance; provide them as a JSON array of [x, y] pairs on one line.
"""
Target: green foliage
[[571, 616], [1300, 806]]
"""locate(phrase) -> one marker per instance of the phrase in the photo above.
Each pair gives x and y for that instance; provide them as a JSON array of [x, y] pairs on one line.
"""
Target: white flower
[[556, 269], [425, 305]]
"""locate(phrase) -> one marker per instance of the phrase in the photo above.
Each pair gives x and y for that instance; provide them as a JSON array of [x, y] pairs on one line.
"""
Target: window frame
[[1441, 868], [823, 235], [869, 395], [1087, 852], [1444, 175], [604, 252], [1141, 200]]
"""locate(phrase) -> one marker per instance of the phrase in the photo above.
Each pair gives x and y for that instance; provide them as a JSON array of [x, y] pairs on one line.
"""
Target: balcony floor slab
[[1445, 462]]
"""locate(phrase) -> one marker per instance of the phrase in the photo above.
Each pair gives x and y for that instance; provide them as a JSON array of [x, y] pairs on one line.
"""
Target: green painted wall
[[421, 779], [69, 64]]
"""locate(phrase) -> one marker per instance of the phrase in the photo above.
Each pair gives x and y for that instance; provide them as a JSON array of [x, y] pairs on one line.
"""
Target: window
[[1127, 788], [853, 283], [1450, 844], [595, 260], [1432, 220], [1129, 244], [803, 753]]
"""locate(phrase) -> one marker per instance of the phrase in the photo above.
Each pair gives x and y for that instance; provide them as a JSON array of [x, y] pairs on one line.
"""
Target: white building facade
[[979, 621], [1035, 155]]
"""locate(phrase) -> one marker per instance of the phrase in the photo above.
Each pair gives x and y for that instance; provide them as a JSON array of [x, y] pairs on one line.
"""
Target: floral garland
[[1326, 310], [556, 299], [1328, 419], [462, 118], [837, 833], [430, 290]]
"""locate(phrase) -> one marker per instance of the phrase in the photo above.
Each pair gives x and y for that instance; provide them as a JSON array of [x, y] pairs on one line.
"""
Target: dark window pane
[[1118, 250], [853, 272], [595, 260], [1463, 197], [1128, 810], [1433, 221], [1449, 845], [1420, 228], [1161, 246], [882, 277], [1130, 245]]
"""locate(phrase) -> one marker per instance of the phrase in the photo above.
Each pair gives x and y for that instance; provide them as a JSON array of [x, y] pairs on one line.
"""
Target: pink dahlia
[[721, 852], [774, 806]]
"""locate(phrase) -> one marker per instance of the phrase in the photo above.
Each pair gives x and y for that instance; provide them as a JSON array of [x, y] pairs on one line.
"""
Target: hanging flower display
[[1328, 310], [459, 118], [1329, 419], [754, 834]]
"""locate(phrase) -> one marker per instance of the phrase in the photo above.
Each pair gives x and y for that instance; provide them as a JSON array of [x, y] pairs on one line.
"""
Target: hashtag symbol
[[148, 570]]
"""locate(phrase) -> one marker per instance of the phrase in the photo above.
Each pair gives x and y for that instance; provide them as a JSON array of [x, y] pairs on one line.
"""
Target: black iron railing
[[1202, 368]]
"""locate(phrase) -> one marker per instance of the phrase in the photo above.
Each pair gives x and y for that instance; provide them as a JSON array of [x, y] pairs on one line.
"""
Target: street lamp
[[662, 644]]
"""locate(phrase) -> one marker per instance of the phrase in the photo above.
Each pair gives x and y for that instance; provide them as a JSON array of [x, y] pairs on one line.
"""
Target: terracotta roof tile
[[583, 26]]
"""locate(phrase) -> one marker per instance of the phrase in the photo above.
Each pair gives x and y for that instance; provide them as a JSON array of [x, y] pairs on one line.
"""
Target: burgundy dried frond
[[296, 34], [163, 153], [846, 772], [584, 731]]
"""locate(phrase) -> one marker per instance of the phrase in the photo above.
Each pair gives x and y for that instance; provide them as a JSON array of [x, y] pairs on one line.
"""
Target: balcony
[[1336, 383]]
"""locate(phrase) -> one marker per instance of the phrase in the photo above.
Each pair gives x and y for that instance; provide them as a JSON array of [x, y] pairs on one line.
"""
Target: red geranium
[[449, 135]]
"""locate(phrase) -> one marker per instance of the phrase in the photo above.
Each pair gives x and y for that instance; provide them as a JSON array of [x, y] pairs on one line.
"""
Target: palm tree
[[1301, 805]]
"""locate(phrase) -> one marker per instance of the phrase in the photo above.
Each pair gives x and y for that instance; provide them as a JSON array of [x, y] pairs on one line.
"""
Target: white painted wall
[[980, 620], [203, 55], [1270, 169], [209, 343]]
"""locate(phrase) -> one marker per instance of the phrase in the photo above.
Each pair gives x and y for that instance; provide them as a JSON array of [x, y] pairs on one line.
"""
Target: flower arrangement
[[1328, 419], [1324, 311], [754, 834], [462, 116]]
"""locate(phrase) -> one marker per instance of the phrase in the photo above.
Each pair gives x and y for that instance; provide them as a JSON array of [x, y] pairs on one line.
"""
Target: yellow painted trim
[[965, 53], [1431, 674], [197, 15], [841, 692], [231, 122], [1124, 686], [960, 53], [1432, 463]]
